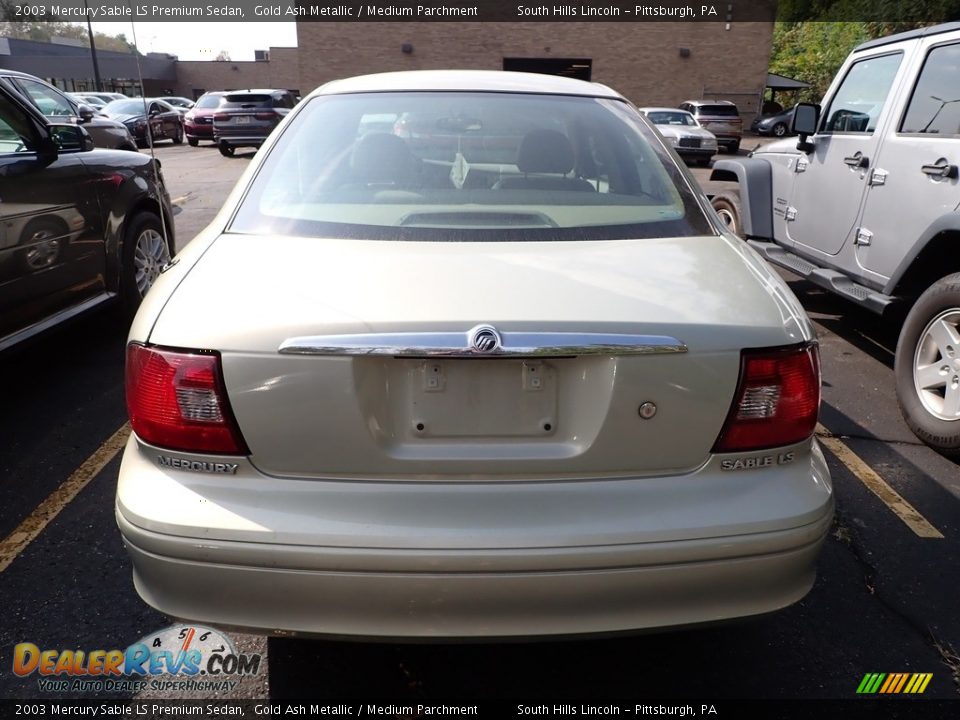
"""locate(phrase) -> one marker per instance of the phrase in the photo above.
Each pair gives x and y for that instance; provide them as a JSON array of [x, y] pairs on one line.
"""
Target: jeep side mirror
[[806, 116]]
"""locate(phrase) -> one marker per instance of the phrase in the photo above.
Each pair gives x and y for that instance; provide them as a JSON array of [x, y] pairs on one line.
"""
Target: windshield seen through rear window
[[469, 166]]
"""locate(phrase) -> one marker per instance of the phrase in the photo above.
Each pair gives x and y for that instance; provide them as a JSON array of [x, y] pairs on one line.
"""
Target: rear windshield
[[721, 110], [208, 101], [231, 101], [469, 166]]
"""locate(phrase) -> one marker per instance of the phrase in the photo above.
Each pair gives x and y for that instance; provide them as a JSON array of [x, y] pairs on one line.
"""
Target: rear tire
[[145, 253], [225, 149], [727, 205], [927, 367]]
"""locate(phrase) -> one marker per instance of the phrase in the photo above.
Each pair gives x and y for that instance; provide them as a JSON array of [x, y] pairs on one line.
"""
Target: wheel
[[142, 144], [727, 205], [178, 136], [193, 141], [734, 147], [145, 253], [927, 367], [225, 149], [43, 240], [779, 130]]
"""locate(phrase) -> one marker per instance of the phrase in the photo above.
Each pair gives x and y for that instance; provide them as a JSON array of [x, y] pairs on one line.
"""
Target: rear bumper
[[261, 574]]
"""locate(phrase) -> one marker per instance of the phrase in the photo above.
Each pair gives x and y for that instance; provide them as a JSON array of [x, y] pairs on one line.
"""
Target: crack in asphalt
[[848, 536]]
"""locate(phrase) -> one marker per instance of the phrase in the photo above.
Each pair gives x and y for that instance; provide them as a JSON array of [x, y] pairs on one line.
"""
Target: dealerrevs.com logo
[[180, 657]]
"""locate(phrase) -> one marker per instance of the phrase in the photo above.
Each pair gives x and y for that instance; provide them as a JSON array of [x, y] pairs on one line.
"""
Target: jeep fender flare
[[755, 177], [926, 247]]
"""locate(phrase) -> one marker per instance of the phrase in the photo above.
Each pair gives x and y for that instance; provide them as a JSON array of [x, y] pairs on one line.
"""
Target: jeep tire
[[927, 367], [727, 205]]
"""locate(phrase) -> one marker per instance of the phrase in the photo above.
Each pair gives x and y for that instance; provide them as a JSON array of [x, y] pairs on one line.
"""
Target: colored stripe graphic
[[894, 683]]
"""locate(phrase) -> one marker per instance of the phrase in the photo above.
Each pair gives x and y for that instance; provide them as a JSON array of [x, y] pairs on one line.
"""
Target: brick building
[[657, 63]]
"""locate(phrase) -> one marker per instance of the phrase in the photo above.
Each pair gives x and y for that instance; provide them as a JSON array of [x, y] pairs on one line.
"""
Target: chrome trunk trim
[[460, 344]]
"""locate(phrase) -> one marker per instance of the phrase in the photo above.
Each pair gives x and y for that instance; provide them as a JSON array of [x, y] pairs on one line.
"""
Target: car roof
[[663, 109], [909, 35], [709, 102], [466, 80], [248, 91]]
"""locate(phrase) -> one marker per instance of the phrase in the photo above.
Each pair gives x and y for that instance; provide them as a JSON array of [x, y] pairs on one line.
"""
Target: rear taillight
[[777, 400], [177, 400], [221, 116], [271, 115]]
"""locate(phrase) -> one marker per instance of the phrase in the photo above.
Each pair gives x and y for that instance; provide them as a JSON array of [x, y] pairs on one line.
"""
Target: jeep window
[[935, 105], [859, 101]]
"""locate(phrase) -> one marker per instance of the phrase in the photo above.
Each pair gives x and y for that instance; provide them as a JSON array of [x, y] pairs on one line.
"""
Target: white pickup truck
[[866, 205]]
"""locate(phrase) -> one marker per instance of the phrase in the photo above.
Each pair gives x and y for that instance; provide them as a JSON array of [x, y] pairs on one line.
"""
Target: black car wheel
[[225, 149], [145, 253], [178, 135], [927, 367], [193, 141]]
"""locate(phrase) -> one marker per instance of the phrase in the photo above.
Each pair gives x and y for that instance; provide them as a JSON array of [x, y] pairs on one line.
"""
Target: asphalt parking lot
[[885, 599]]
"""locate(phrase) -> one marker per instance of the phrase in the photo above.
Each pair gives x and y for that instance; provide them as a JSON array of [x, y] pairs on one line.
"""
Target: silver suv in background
[[721, 117], [866, 205], [58, 107]]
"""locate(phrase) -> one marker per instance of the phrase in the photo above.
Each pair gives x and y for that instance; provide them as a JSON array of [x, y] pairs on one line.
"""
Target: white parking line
[[35, 523], [910, 516]]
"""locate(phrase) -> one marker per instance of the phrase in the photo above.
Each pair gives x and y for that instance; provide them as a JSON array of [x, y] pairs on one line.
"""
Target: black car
[[246, 117], [79, 226], [165, 122], [59, 107], [777, 125]]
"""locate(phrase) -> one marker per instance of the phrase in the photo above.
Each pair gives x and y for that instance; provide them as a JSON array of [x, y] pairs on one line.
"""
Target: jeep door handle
[[941, 169], [857, 160]]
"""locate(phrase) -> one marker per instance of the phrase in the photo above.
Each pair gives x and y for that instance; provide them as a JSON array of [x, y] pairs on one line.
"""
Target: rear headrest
[[545, 151], [382, 158]]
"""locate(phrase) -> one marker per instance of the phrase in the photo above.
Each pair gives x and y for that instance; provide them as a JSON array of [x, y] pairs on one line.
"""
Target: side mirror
[[806, 117], [86, 113], [70, 138]]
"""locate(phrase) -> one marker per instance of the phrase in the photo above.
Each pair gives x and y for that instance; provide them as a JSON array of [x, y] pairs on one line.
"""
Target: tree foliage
[[45, 27], [813, 37]]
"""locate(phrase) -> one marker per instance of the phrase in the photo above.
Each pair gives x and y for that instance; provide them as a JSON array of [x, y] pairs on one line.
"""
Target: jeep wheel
[[927, 367], [727, 205]]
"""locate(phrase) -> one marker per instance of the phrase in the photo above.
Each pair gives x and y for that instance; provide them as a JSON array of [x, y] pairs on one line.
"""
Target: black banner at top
[[713, 11]]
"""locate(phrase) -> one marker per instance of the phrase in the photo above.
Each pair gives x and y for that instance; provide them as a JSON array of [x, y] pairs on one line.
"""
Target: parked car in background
[[683, 132], [401, 390], [107, 96], [58, 107], [182, 104], [148, 119], [198, 120], [79, 226], [866, 204], [720, 117], [777, 124], [246, 117], [91, 100]]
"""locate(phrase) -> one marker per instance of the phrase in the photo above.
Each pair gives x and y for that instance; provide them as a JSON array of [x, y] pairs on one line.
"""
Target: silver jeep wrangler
[[867, 205]]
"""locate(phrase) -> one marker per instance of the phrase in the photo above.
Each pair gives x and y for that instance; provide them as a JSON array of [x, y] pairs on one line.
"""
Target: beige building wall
[[281, 71], [640, 60]]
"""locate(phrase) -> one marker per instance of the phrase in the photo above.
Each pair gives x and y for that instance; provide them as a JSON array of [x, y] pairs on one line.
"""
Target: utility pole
[[93, 50]]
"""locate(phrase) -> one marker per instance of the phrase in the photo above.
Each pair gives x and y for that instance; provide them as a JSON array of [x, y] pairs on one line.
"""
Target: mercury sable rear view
[[466, 355]]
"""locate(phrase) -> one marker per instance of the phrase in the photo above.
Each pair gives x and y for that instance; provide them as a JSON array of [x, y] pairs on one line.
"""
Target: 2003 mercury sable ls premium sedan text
[[504, 376]]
